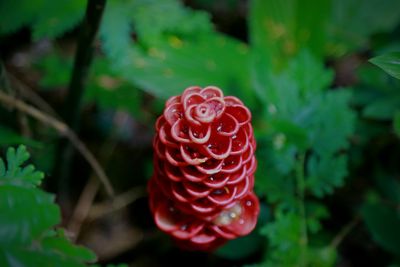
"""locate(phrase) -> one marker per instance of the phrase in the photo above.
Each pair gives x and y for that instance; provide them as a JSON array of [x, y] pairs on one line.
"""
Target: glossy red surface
[[201, 192]]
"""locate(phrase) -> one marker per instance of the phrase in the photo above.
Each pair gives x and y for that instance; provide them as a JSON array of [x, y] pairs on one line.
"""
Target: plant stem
[[83, 60], [64, 130], [344, 232], [300, 197]]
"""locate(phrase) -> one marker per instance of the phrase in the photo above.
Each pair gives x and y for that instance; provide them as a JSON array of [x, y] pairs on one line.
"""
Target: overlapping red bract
[[201, 192]]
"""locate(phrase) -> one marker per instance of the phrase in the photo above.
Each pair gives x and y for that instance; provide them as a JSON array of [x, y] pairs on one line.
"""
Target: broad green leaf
[[62, 245], [16, 14], [9, 137], [166, 65], [388, 185], [25, 214], [279, 29], [383, 223], [29, 257], [378, 94], [48, 19], [28, 217], [389, 62], [57, 17], [382, 108], [353, 21]]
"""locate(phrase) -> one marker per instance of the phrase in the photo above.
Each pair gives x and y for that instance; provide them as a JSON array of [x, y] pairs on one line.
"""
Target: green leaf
[[279, 29], [388, 185], [166, 65], [315, 213], [389, 62], [47, 18], [351, 23], [62, 245], [283, 236], [383, 224], [16, 174], [56, 70], [57, 17], [292, 133], [16, 14], [382, 108], [326, 173], [9, 137], [25, 214], [151, 23], [28, 217], [28, 257], [330, 122]]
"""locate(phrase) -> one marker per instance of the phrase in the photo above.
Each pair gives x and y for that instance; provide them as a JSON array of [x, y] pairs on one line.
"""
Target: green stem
[[82, 63], [303, 242]]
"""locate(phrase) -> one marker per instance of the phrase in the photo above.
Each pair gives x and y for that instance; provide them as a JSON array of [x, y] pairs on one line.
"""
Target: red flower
[[201, 192]]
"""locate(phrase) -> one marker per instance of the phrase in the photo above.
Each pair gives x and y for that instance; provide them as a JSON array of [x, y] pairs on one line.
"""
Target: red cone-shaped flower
[[201, 192]]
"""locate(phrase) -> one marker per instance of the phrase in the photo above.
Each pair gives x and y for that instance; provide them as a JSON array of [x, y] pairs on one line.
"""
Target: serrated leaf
[[383, 224], [330, 122], [283, 237], [62, 245], [389, 62], [326, 173], [15, 174], [28, 217], [25, 214]]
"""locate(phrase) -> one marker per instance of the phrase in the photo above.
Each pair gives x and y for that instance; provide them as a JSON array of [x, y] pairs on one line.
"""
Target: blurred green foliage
[[28, 217], [313, 136]]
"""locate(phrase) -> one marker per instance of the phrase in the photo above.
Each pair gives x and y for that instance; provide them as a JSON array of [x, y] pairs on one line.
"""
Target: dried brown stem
[[64, 130]]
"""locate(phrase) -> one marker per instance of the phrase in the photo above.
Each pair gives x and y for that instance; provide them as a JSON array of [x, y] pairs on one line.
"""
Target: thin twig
[[64, 130], [119, 202], [73, 105], [83, 207], [344, 232], [90, 190], [29, 94]]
